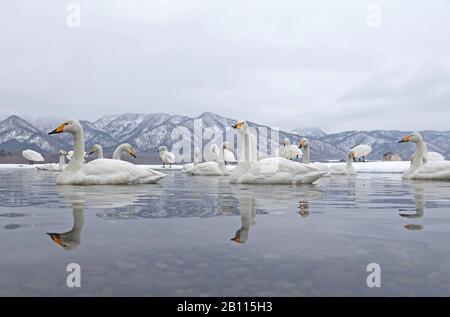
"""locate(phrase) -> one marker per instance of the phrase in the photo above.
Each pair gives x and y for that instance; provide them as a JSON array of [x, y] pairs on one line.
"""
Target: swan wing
[[277, 170], [108, 172], [434, 170]]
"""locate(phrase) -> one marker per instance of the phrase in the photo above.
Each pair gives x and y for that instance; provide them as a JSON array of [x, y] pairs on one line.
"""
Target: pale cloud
[[284, 64]]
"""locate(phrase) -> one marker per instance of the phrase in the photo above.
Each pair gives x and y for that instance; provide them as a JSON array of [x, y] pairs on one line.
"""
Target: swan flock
[[251, 168]]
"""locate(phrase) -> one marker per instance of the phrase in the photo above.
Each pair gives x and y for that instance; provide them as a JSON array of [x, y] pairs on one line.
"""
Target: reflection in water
[[419, 199], [247, 206], [303, 208], [71, 239]]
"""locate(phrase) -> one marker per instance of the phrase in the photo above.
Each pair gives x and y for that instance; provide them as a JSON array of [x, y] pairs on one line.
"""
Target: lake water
[[175, 238]]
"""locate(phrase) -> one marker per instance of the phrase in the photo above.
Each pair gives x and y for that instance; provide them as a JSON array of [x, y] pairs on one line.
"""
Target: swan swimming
[[420, 170], [99, 171], [304, 145], [346, 169], [32, 156], [55, 167], [273, 170], [117, 155], [288, 151], [188, 166], [212, 168], [166, 156]]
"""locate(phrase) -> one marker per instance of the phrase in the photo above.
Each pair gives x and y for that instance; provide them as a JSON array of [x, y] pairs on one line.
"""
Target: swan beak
[[57, 130], [56, 237], [236, 239], [92, 152], [237, 125], [132, 153], [405, 139]]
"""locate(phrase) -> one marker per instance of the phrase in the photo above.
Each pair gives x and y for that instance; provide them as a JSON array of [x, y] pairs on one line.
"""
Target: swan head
[[59, 240], [62, 153], [241, 126], [95, 149], [286, 142], [303, 143], [162, 149], [415, 137], [70, 126], [126, 147]]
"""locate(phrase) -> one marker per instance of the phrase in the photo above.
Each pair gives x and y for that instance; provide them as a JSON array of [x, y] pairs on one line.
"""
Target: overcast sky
[[286, 63]]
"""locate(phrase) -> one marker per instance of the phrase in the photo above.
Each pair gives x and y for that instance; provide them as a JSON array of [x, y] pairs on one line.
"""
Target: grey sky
[[283, 63]]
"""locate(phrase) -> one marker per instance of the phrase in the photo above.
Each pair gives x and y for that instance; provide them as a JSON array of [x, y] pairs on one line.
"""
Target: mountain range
[[148, 131]]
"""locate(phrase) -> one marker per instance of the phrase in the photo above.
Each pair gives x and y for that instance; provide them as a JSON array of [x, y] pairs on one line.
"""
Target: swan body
[[304, 145], [188, 166], [421, 169], [274, 170], [100, 171], [166, 156], [431, 156], [289, 151], [55, 167], [228, 153], [212, 168], [346, 169], [32, 156]]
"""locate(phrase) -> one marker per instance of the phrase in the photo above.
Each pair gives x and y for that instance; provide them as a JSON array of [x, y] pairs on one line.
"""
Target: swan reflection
[[93, 197], [248, 219], [420, 202]]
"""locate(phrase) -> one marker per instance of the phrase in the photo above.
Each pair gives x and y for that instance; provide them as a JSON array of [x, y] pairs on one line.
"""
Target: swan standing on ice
[[304, 145], [166, 156], [212, 168], [420, 170], [289, 151], [55, 167], [361, 151], [32, 156], [346, 169], [273, 170], [123, 148], [188, 166], [100, 171]]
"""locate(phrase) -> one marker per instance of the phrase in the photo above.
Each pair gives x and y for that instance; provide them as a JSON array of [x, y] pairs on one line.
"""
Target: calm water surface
[[201, 236]]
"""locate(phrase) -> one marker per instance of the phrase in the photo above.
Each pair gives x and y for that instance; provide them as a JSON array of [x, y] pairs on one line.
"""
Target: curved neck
[[118, 152], [306, 155], [99, 152]]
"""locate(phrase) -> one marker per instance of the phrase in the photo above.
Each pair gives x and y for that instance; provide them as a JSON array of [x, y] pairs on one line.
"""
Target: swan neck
[[306, 155], [62, 159], [349, 162], [78, 150], [420, 154], [100, 152], [117, 153]]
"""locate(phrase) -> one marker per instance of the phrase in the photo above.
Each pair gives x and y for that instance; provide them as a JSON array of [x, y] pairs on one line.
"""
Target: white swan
[[32, 156], [166, 156], [430, 156], [212, 168], [304, 145], [188, 166], [117, 155], [420, 170], [288, 151], [274, 170], [70, 154], [228, 153], [55, 167], [361, 151], [100, 171], [347, 169]]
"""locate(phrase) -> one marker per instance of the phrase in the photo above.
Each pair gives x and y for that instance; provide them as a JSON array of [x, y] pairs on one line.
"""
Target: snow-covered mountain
[[148, 131], [309, 132]]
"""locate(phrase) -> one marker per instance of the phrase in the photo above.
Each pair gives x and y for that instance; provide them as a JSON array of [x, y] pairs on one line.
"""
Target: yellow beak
[[58, 129]]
